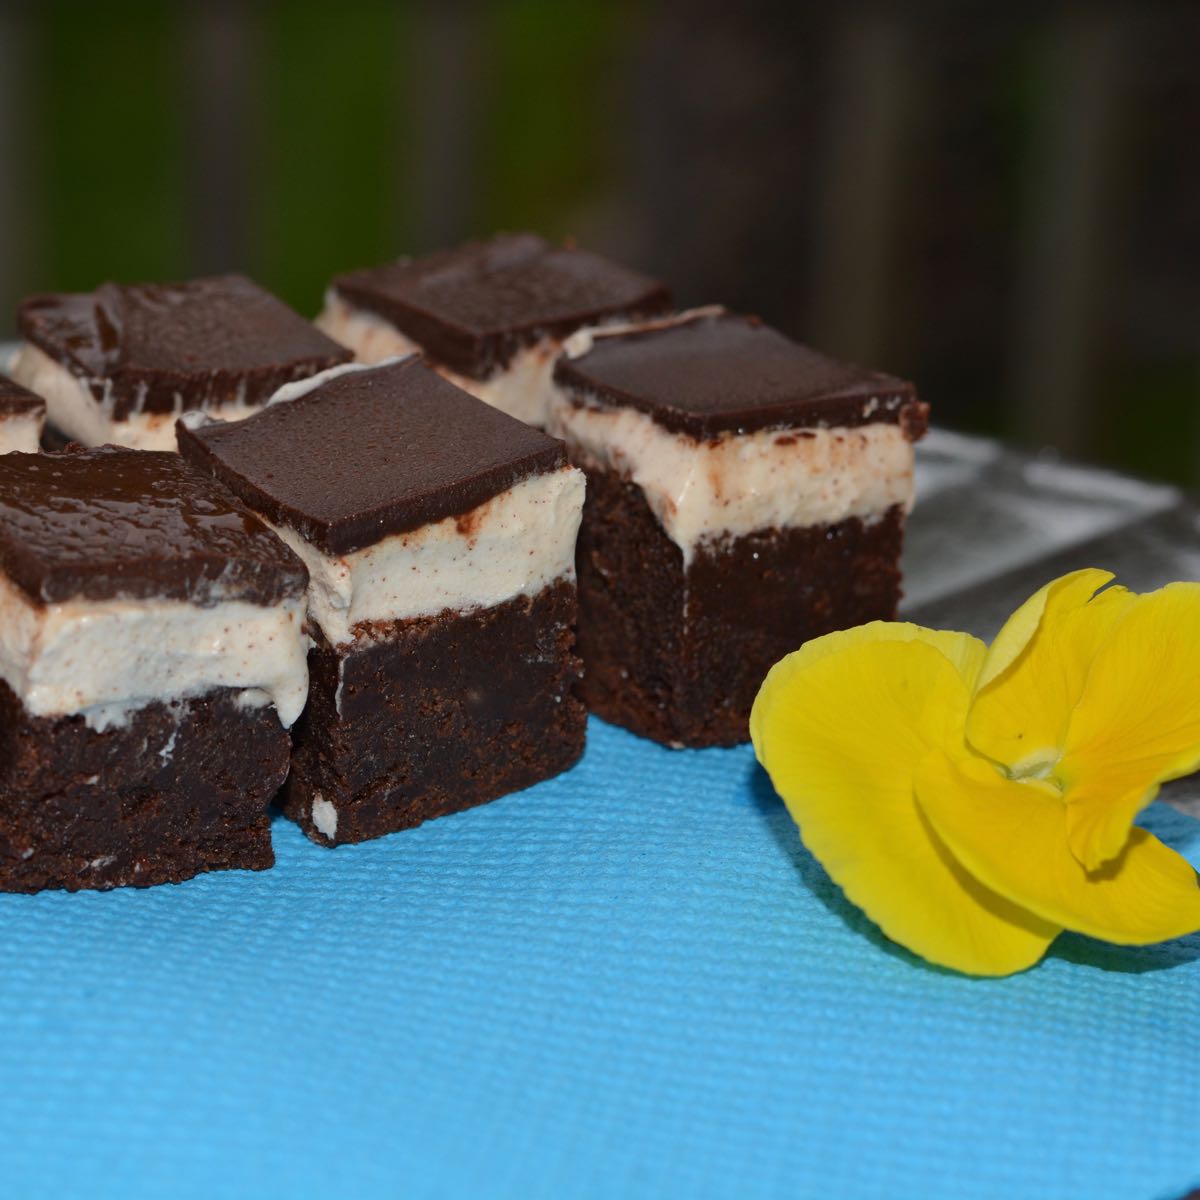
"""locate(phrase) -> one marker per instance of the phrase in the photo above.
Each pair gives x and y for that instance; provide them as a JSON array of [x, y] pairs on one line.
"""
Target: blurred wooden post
[[222, 108], [862, 187], [1070, 206], [442, 106], [17, 184]]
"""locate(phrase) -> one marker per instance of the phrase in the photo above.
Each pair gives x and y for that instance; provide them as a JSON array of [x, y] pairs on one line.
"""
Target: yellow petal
[[1013, 837], [840, 727], [1037, 667], [966, 653], [1019, 630], [1137, 722]]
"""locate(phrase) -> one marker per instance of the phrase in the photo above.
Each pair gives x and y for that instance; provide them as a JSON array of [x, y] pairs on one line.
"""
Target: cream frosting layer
[[370, 337], [20, 433], [524, 389], [514, 544], [739, 483], [73, 410], [106, 658]]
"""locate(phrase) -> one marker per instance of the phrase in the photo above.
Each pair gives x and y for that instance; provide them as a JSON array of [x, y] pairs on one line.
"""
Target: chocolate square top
[[718, 373], [158, 347], [370, 453], [474, 307], [16, 401], [113, 524]]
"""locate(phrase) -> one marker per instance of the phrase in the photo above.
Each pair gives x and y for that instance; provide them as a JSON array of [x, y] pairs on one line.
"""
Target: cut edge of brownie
[[749, 600], [182, 788], [473, 727]]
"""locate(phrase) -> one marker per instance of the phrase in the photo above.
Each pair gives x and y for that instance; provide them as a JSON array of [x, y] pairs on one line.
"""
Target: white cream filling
[[513, 544], [524, 389], [106, 658], [370, 337], [740, 483], [74, 411], [21, 433]]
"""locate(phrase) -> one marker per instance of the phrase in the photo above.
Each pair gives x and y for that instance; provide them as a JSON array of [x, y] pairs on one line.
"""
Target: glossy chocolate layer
[[162, 347], [16, 401], [473, 307], [110, 523], [724, 373], [371, 453]]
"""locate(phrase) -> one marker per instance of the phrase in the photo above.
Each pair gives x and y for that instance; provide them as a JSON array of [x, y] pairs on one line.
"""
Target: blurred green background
[[1001, 202]]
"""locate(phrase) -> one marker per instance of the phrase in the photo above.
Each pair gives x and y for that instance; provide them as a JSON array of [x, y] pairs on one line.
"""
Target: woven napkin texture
[[630, 981]]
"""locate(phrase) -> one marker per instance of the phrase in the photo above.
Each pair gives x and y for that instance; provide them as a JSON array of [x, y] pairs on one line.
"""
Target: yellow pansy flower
[[975, 801]]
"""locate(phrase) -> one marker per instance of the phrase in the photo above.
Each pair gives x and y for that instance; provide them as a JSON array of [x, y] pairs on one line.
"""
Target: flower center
[[1039, 766]]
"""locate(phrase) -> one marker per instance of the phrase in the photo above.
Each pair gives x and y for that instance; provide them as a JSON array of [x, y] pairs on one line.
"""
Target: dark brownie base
[[179, 789], [678, 656], [438, 714]]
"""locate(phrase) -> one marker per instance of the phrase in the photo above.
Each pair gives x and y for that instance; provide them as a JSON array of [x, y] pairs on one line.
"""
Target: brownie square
[[22, 418], [491, 316], [439, 536], [154, 655], [119, 364], [745, 494]]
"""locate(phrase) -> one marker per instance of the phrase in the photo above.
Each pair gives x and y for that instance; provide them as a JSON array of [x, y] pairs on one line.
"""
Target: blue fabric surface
[[630, 981]]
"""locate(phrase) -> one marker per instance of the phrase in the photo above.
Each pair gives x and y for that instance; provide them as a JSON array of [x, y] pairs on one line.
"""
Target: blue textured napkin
[[629, 981]]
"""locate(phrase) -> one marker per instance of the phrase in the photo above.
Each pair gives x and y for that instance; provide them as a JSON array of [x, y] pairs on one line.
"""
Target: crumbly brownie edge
[[749, 601], [438, 714], [180, 789]]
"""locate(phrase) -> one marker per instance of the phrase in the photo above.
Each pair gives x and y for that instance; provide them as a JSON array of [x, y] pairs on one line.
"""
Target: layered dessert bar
[[120, 364], [745, 494], [22, 418], [490, 316], [439, 536], [152, 655]]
